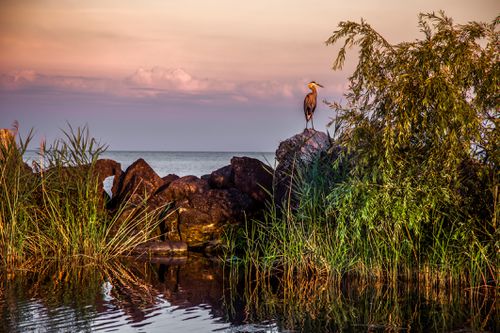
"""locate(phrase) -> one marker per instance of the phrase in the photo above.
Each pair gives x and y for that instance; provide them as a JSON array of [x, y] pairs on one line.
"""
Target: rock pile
[[196, 210]]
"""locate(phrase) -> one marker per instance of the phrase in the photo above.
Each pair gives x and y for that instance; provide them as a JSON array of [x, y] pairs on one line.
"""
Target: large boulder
[[183, 188], [246, 174], [294, 153], [253, 177], [136, 185], [195, 210], [198, 214], [222, 178]]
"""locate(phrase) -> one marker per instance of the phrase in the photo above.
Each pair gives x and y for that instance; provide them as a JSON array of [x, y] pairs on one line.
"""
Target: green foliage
[[419, 137], [421, 130], [59, 211]]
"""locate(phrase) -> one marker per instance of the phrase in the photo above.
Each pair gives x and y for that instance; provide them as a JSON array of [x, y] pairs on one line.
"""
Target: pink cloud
[[172, 79], [156, 82]]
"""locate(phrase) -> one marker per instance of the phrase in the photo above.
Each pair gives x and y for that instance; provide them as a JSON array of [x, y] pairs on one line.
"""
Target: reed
[[353, 227], [58, 211]]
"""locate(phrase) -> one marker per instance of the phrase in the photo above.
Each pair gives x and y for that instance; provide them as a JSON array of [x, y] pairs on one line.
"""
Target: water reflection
[[196, 294]]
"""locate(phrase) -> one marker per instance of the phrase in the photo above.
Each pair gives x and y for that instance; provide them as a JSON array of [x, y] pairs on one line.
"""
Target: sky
[[189, 75]]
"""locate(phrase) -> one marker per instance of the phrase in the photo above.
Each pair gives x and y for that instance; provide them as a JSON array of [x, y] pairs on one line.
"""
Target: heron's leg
[[312, 122]]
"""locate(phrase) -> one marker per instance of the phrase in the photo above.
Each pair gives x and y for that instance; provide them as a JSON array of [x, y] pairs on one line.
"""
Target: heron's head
[[314, 84]]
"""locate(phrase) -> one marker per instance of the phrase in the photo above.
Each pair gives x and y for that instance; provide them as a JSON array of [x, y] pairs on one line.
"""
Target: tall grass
[[384, 232], [59, 211]]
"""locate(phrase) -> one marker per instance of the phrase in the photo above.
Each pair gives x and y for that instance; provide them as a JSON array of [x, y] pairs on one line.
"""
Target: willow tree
[[421, 129]]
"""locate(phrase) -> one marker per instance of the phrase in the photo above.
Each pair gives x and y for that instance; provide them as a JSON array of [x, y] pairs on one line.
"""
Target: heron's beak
[[319, 85]]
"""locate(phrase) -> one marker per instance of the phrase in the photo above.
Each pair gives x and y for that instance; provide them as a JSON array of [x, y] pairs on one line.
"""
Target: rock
[[136, 184], [202, 217], [222, 178], [167, 180], [183, 188], [296, 152], [252, 177], [248, 175], [161, 248], [195, 210]]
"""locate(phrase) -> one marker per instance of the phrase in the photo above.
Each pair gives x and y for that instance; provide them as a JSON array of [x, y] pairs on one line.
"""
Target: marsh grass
[[59, 210], [336, 230]]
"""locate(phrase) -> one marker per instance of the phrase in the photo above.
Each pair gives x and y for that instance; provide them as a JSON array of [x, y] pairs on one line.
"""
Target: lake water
[[179, 163], [199, 294]]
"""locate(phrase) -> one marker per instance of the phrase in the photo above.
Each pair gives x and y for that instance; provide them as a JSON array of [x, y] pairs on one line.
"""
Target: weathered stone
[[193, 210], [185, 187], [136, 184], [296, 152], [252, 177], [222, 178], [161, 248], [167, 180], [303, 147], [202, 217]]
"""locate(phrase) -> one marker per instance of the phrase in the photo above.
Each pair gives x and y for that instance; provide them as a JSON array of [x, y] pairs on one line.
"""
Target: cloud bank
[[152, 82]]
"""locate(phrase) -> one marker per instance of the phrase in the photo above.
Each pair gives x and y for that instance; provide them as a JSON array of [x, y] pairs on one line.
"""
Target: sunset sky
[[186, 75]]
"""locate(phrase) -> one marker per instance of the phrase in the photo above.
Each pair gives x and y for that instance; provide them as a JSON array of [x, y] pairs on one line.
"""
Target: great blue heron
[[310, 102]]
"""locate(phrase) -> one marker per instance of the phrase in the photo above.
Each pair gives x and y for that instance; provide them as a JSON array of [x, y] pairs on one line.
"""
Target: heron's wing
[[309, 105]]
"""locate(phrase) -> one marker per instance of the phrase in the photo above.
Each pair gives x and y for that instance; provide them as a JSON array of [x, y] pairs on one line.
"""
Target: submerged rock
[[296, 152], [160, 248]]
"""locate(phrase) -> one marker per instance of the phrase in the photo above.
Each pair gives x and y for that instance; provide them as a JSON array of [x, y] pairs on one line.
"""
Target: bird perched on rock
[[310, 102]]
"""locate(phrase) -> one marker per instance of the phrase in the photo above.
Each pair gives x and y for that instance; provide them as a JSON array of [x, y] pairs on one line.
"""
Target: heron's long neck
[[314, 91]]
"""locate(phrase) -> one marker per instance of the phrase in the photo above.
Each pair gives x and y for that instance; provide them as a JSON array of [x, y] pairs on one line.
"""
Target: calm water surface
[[179, 163], [198, 294]]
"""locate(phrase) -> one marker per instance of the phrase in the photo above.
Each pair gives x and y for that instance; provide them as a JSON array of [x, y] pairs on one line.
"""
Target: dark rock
[[222, 178], [161, 248], [27, 168], [294, 153], [202, 217], [252, 177], [184, 187], [193, 210], [167, 180], [136, 184]]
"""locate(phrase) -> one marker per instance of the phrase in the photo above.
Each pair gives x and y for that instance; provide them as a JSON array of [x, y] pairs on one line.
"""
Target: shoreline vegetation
[[408, 190], [57, 210]]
